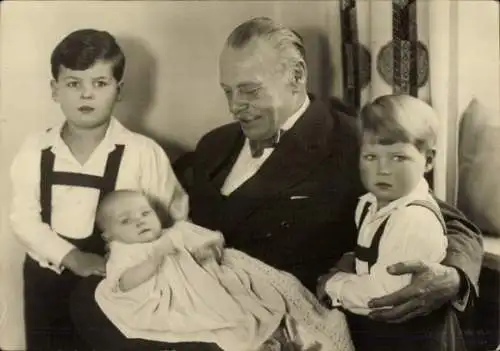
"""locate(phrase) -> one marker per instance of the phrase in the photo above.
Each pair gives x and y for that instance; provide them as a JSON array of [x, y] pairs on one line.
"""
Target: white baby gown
[[236, 303]]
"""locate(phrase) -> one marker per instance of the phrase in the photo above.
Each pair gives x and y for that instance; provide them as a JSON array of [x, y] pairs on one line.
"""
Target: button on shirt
[[411, 233], [144, 166], [246, 165]]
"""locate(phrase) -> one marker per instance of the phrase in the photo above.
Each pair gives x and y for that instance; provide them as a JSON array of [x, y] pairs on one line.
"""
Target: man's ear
[[54, 89], [430, 156], [119, 91], [299, 75]]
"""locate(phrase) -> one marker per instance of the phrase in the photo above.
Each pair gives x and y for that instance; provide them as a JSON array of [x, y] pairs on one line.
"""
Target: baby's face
[[132, 220]]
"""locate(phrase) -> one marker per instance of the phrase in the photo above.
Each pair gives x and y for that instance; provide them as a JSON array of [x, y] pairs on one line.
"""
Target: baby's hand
[[165, 246]]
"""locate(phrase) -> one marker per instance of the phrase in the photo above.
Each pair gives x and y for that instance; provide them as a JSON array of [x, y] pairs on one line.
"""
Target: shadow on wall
[[319, 61], [139, 92]]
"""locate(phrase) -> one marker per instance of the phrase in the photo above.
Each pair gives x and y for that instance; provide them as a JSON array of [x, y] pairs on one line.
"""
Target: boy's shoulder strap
[[431, 207], [50, 177], [364, 212]]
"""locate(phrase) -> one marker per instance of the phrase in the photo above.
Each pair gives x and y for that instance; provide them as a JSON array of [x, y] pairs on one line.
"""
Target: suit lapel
[[223, 154], [301, 149]]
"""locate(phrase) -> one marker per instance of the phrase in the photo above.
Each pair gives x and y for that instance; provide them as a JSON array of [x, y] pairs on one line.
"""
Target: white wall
[[477, 71], [171, 90], [464, 46]]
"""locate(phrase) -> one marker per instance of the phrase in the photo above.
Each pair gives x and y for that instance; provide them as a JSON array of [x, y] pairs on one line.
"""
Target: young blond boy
[[397, 220]]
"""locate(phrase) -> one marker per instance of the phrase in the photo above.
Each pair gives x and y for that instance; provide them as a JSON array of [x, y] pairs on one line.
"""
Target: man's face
[[86, 97], [257, 88]]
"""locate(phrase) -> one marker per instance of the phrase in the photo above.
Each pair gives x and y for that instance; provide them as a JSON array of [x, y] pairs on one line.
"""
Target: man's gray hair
[[288, 42]]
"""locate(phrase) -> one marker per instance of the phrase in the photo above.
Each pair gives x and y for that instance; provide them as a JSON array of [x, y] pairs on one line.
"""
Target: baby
[[180, 284]]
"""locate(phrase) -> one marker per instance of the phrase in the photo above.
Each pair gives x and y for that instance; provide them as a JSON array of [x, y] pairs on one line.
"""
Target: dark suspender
[[370, 254], [49, 177], [428, 205], [364, 212]]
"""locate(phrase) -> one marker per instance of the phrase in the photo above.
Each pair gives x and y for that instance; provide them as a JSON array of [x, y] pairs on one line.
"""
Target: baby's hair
[[82, 48], [111, 198], [401, 118]]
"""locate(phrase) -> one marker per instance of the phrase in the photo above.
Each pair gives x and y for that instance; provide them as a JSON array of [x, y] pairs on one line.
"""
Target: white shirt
[[246, 165], [411, 233], [144, 166]]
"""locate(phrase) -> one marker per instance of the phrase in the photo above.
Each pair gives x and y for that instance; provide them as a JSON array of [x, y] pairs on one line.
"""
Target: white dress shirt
[[411, 233], [246, 165], [144, 166]]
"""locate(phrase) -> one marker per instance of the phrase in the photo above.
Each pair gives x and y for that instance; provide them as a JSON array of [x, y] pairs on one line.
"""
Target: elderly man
[[281, 183]]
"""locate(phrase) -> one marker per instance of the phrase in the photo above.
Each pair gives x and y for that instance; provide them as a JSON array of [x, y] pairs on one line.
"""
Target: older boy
[[60, 175]]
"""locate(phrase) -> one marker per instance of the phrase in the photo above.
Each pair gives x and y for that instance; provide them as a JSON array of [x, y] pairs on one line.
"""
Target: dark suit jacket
[[297, 212]]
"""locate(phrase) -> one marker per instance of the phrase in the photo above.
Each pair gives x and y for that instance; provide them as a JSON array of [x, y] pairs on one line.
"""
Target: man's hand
[[432, 285], [84, 264]]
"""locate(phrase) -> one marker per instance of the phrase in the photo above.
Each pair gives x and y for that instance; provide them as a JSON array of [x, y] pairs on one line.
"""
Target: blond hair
[[401, 118]]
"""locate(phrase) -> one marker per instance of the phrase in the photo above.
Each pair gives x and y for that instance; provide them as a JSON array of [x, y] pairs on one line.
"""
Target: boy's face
[[391, 171], [87, 97], [132, 220]]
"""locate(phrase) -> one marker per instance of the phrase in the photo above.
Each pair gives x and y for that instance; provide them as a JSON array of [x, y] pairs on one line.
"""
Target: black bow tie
[[257, 146]]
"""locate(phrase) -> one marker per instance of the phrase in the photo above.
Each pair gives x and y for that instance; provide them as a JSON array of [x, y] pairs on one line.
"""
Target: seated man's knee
[[90, 322]]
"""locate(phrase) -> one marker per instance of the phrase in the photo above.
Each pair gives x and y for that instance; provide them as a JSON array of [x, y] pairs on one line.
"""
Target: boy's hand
[[347, 263], [84, 264], [321, 286]]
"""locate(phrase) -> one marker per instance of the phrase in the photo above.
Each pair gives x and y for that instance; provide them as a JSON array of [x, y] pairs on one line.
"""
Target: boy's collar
[[111, 138], [420, 192]]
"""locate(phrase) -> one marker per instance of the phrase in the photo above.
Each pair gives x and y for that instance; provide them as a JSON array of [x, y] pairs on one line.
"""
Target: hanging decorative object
[[356, 58], [404, 61], [365, 65], [385, 65]]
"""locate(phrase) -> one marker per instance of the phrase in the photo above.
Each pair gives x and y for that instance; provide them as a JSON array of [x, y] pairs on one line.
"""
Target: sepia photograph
[[231, 175]]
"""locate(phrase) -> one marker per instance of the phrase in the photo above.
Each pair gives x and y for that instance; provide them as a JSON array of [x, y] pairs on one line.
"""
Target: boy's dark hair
[[81, 49]]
